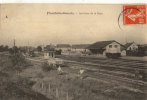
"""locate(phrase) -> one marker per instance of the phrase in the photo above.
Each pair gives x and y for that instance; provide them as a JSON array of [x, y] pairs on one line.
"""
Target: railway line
[[92, 69], [130, 65], [111, 73], [118, 70], [109, 76]]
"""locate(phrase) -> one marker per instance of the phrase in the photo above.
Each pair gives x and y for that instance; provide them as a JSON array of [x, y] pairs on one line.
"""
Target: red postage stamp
[[134, 14]]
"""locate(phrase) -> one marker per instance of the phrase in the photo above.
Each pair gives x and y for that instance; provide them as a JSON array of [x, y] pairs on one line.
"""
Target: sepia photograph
[[73, 52]]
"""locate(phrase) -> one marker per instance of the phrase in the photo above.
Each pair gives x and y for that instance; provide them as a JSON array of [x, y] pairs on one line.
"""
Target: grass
[[12, 86], [46, 67], [19, 90], [39, 84], [58, 87], [13, 63]]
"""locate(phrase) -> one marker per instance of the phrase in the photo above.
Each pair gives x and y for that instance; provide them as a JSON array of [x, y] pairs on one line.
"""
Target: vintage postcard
[[73, 52]]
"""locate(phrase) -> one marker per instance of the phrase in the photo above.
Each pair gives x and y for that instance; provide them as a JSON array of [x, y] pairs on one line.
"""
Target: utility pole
[[14, 42], [14, 47], [28, 47]]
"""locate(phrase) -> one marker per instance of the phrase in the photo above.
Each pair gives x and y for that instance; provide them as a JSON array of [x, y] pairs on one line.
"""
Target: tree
[[39, 48], [50, 48], [1, 48], [14, 50], [6, 48]]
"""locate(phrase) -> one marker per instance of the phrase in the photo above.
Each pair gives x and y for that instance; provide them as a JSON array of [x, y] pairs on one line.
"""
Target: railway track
[[114, 68], [112, 78], [92, 68], [120, 68], [115, 63]]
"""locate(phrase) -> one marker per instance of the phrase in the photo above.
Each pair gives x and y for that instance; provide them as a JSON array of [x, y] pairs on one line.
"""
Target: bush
[[46, 67], [18, 62], [3, 48], [18, 59], [14, 50]]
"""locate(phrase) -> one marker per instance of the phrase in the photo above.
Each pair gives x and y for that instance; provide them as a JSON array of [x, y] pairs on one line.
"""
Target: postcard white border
[[78, 1]]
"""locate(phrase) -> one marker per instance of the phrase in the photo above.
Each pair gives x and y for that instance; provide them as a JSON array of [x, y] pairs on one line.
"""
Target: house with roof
[[49, 51], [63, 47], [131, 48], [107, 48], [79, 47]]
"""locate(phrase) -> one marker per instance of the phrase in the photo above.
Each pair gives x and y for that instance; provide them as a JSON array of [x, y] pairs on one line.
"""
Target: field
[[12, 85], [103, 79]]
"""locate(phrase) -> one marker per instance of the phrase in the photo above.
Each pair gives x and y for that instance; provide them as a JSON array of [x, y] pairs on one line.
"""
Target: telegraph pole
[[14, 42], [14, 47], [28, 47]]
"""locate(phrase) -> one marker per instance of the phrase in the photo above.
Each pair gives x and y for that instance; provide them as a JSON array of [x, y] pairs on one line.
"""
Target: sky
[[29, 24]]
